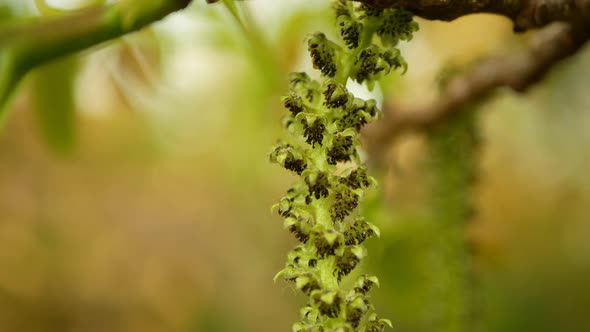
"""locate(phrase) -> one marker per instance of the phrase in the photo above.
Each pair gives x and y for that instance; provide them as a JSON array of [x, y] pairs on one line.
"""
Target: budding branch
[[564, 30], [46, 39]]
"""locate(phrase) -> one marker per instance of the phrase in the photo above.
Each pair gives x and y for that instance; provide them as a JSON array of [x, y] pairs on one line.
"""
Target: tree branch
[[526, 14], [518, 72], [26, 45]]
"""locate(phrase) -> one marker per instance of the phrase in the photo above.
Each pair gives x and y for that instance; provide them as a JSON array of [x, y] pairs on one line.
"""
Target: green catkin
[[324, 120], [454, 150]]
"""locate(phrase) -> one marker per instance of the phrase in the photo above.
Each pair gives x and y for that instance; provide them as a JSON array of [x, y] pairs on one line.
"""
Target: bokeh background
[[138, 198]]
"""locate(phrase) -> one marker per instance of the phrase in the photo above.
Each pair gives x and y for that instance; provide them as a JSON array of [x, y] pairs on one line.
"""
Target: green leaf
[[53, 102], [11, 73], [386, 321], [359, 251]]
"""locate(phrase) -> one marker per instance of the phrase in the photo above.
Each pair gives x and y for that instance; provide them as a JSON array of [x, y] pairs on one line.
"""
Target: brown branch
[[526, 14], [518, 72]]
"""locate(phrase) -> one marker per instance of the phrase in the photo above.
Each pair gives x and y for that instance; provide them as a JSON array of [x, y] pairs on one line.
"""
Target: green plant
[[324, 124], [452, 169]]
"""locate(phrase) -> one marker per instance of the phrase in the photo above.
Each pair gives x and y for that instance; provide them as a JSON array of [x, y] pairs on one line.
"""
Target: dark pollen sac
[[358, 232], [353, 315], [299, 234], [344, 203], [322, 54], [294, 164], [312, 285], [363, 285], [397, 24], [342, 150], [294, 103], [356, 116], [376, 326], [285, 207], [325, 248], [300, 83], [352, 119], [312, 262], [298, 78], [314, 133], [319, 187], [329, 309], [356, 179], [290, 162], [310, 95], [370, 10], [336, 95], [394, 60], [350, 31], [369, 64], [368, 106], [341, 8], [346, 263]]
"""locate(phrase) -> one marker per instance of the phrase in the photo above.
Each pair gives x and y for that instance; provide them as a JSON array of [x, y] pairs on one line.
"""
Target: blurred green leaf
[[53, 102], [6, 13], [11, 72]]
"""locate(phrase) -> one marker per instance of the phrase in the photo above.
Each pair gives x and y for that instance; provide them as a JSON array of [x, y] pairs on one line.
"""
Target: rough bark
[[526, 14]]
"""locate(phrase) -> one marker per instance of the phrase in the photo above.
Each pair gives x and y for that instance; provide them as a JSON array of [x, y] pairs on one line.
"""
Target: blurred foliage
[[53, 94], [158, 219]]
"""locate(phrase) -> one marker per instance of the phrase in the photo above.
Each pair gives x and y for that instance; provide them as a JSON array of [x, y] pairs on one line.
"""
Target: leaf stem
[[41, 40]]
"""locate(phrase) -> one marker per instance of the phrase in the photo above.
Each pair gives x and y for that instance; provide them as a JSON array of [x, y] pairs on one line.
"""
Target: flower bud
[[322, 54]]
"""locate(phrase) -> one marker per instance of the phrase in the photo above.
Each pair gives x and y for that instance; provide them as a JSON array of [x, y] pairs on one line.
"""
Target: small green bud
[[318, 184], [354, 118], [377, 325], [309, 313], [355, 310], [364, 283], [288, 157], [394, 59], [302, 84], [293, 164], [327, 242], [336, 95], [370, 64], [341, 8], [298, 79], [396, 25], [327, 302], [294, 103], [350, 30], [358, 231], [342, 149], [356, 179], [307, 283], [284, 207], [349, 260], [345, 201], [313, 132], [370, 11], [322, 54], [301, 231]]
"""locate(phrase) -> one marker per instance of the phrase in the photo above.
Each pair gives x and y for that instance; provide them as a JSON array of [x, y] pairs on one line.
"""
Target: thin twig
[[526, 14], [517, 71]]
